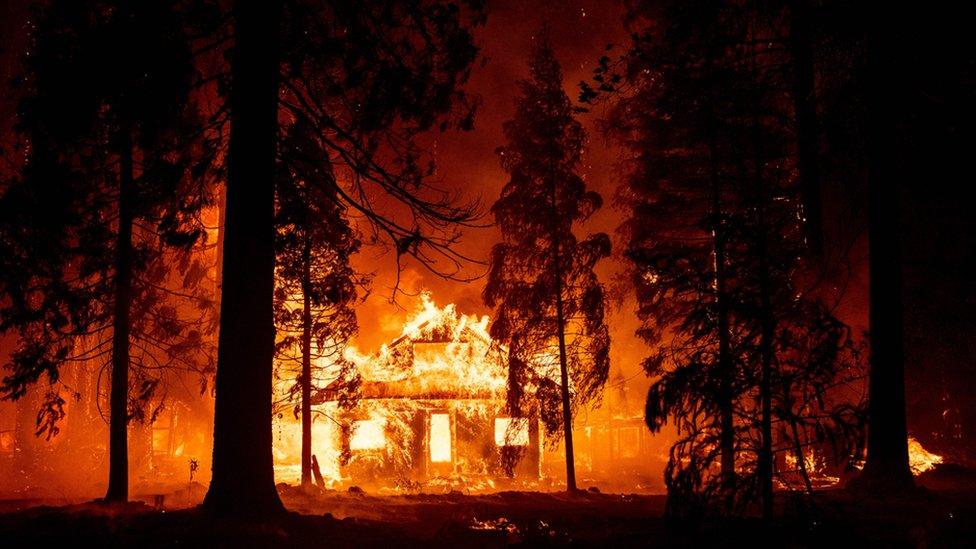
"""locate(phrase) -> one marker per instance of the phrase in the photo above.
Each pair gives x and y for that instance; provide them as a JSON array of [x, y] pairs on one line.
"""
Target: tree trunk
[[767, 324], [887, 465], [767, 329], [724, 400], [243, 466], [118, 450], [564, 389], [805, 111], [563, 363], [306, 379]]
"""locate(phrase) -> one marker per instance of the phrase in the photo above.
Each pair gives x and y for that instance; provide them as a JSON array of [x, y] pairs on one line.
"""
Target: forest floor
[[943, 514]]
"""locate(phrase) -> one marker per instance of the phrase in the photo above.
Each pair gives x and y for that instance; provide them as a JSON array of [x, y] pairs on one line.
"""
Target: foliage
[[102, 80], [314, 243], [369, 82], [541, 280], [718, 252]]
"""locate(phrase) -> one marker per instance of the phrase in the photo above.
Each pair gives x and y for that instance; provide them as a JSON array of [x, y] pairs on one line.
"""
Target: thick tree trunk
[[887, 459], [118, 450], [805, 111], [887, 465], [307, 362], [243, 466]]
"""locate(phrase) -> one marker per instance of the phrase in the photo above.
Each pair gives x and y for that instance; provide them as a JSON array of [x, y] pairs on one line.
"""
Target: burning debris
[[920, 459]]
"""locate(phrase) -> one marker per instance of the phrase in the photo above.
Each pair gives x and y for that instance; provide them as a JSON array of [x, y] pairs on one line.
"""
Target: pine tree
[[106, 198], [717, 243], [549, 303], [315, 286]]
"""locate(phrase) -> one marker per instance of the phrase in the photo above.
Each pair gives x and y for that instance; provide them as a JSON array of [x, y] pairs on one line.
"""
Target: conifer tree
[[549, 304], [367, 80], [315, 286], [717, 243], [107, 200]]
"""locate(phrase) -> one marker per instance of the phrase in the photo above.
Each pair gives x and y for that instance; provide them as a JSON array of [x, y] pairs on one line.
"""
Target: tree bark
[[243, 466], [118, 470], [887, 465], [767, 321], [724, 400], [306, 379], [563, 366]]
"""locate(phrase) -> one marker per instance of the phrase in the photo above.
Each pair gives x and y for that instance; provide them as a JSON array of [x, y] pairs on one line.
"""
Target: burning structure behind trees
[[430, 415]]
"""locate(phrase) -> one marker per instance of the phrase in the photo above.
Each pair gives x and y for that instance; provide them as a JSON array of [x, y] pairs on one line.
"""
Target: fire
[[368, 434], [440, 438], [431, 415], [428, 410], [920, 459], [457, 354], [511, 431]]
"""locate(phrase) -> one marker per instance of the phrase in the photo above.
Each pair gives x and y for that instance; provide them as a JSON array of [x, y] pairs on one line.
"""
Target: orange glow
[[368, 434], [920, 459], [440, 438], [511, 431], [434, 394]]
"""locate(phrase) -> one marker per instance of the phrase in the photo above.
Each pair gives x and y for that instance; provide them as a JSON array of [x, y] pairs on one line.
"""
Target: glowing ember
[[920, 459], [440, 438]]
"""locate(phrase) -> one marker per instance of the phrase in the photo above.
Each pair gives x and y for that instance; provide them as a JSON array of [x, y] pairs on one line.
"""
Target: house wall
[[476, 460]]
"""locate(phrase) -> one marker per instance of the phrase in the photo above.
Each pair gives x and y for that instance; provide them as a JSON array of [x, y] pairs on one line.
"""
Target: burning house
[[429, 413]]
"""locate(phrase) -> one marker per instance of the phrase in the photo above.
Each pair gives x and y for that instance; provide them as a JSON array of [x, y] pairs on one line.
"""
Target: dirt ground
[[942, 515]]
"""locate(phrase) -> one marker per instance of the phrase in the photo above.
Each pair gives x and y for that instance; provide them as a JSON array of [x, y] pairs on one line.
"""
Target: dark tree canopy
[[315, 286], [100, 227], [717, 241], [370, 82]]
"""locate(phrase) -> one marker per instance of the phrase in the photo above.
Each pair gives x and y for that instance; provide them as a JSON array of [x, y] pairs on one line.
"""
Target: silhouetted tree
[[549, 303], [243, 467], [365, 79], [717, 240], [106, 201], [370, 81], [887, 465], [315, 286]]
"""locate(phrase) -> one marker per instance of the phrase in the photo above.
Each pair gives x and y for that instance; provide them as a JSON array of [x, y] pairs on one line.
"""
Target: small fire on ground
[[920, 459]]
